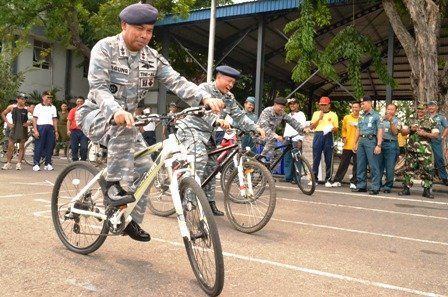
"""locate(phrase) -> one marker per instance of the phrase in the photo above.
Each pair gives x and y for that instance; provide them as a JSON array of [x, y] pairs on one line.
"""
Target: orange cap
[[324, 101]]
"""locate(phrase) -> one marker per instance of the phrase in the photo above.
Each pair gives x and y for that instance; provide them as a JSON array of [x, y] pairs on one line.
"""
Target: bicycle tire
[[225, 174], [262, 182], [79, 170], [303, 168], [204, 237], [29, 153], [160, 202], [3, 153]]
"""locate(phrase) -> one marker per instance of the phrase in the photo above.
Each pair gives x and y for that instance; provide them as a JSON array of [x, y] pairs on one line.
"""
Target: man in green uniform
[[419, 160]]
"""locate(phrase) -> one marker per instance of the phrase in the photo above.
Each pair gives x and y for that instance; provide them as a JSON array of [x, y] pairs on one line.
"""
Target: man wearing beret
[[196, 132], [419, 160], [249, 107], [369, 139], [122, 70], [437, 143], [270, 119]]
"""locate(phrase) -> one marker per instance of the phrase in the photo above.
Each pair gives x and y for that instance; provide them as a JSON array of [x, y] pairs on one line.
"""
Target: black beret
[[280, 100], [228, 71], [139, 14], [366, 98]]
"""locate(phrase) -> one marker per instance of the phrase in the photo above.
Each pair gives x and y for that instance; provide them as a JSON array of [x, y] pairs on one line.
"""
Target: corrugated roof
[[235, 10]]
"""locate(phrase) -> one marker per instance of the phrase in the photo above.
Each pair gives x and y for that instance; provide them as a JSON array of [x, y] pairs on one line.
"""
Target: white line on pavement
[[49, 183], [365, 208], [354, 231], [22, 195], [365, 195], [315, 272], [42, 213]]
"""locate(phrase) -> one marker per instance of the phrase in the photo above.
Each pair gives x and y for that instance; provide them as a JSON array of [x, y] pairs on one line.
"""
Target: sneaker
[[336, 184], [328, 184], [7, 166], [18, 166], [352, 186], [36, 168], [48, 167]]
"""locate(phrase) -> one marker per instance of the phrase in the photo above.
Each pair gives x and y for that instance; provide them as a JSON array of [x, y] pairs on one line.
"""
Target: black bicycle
[[249, 191], [303, 174]]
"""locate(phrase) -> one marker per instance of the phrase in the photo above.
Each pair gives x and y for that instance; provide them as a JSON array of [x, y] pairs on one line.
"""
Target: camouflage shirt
[[205, 124], [269, 121], [120, 79], [426, 123]]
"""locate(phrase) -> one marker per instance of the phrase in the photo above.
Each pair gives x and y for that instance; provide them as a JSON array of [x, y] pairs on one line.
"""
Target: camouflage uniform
[[196, 134], [118, 80], [269, 121], [419, 160]]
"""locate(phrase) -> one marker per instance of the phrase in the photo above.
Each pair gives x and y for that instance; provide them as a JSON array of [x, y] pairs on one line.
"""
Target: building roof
[[237, 27]]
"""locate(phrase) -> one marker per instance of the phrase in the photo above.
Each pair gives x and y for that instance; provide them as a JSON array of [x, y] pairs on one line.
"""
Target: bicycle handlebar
[[142, 120]]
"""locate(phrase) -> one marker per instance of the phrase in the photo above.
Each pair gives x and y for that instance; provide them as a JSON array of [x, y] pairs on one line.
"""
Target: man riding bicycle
[[196, 132], [121, 71], [270, 119]]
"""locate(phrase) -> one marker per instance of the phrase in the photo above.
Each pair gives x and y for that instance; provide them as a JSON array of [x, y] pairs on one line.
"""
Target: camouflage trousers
[[121, 144], [194, 141], [269, 148], [419, 163]]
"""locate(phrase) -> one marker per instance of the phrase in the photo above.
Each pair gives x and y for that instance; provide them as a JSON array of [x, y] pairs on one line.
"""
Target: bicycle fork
[[245, 189]]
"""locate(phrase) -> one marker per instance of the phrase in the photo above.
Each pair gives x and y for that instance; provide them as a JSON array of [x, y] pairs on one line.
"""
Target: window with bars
[[41, 54]]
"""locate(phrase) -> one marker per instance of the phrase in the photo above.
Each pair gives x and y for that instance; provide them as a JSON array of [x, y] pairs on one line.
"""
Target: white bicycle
[[83, 220]]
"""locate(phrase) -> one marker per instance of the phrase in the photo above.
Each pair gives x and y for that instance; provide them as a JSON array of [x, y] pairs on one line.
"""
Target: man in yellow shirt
[[349, 126], [325, 123]]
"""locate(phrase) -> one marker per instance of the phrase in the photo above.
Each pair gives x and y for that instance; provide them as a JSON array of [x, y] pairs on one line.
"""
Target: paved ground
[[335, 243]]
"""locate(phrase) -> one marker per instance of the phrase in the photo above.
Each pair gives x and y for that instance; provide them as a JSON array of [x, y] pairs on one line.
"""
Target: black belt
[[389, 140], [369, 136]]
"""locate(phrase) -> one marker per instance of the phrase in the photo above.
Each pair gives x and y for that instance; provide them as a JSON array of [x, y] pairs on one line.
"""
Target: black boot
[[135, 232], [117, 195], [405, 191], [427, 193], [215, 210]]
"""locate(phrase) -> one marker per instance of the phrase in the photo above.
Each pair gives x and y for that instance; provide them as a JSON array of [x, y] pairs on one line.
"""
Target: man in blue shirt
[[390, 149], [369, 138], [436, 144]]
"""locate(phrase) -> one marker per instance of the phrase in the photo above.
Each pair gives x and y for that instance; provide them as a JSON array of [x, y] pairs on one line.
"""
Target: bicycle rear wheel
[[81, 234], [249, 213], [160, 202], [204, 248], [29, 153], [306, 181]]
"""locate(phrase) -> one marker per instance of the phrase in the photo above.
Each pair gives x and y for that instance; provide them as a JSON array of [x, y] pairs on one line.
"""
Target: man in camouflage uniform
[[270, 119], [196, 132], [419, 160], [122, 69]]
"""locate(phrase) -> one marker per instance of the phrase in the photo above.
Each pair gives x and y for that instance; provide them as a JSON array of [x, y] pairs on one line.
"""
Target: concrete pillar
[[259, 74]]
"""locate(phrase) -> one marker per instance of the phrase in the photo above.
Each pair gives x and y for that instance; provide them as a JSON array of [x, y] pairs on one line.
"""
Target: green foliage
[[92, 19], [348, 44], [9, 82]]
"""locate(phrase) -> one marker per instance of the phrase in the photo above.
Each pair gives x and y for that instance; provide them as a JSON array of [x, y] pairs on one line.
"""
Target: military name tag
[[146, 74], [119, 69], [146, 82]]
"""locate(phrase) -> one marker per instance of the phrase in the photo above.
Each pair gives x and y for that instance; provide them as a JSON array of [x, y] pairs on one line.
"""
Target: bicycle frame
[[172, 151]]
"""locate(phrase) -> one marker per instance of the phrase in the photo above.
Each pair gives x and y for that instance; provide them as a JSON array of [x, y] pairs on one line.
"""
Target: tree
[[421, 49], [76, 23]]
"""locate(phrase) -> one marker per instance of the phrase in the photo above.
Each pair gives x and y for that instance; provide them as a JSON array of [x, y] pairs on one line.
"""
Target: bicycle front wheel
[[204, 246], [160, 202], [29, 153], [250, 206], [306, 181], [81, 234]]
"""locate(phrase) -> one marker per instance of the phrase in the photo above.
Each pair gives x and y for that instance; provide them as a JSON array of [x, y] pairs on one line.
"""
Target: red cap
[[324, 100]]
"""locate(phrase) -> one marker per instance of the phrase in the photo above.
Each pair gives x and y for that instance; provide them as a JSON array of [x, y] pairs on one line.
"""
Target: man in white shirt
[[45, 130], [296, 141]]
